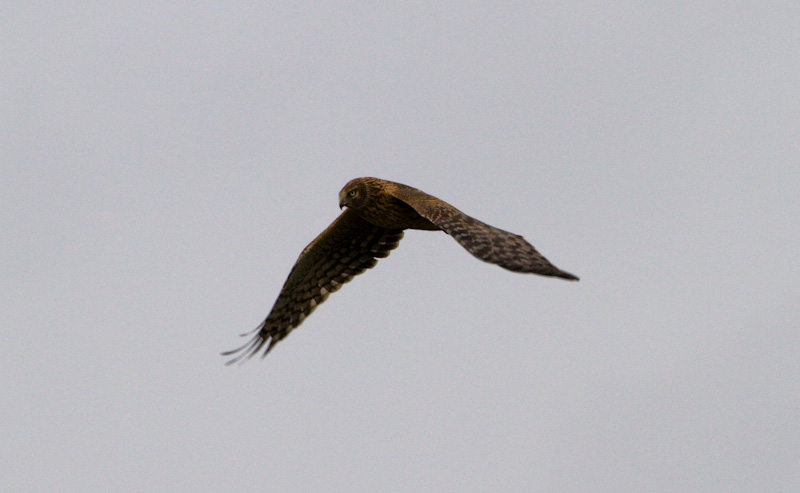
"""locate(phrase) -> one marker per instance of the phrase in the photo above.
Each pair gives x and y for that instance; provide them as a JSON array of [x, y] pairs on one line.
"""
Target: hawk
[[370, 228]]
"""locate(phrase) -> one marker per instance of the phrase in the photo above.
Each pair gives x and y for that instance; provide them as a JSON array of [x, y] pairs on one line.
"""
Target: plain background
[[164, 164]]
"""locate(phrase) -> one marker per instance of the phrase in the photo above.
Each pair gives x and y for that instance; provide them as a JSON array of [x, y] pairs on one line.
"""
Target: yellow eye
[[352, 193]]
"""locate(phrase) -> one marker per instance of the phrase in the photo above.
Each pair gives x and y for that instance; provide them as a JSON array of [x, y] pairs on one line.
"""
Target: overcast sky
[[163, 166]]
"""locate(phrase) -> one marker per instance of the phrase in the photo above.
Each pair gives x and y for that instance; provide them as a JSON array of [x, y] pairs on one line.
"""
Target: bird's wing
[[485, 242], [346, 248]]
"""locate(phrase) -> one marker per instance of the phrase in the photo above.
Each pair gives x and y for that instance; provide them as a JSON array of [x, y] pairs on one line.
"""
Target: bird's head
[[353, 194]]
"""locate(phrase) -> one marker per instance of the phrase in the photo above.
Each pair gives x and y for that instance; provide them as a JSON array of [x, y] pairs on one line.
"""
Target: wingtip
[[566, 275], [247, 350]]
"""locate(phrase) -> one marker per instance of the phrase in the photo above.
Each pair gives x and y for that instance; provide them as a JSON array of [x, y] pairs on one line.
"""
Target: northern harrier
[[377, 213]]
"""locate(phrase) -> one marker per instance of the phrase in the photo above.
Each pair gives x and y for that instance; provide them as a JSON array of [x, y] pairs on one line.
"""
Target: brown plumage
[[377, 213]]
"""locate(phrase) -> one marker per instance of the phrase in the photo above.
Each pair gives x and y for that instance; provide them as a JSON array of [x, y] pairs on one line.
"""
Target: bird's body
[[378, 202], [377, 213]]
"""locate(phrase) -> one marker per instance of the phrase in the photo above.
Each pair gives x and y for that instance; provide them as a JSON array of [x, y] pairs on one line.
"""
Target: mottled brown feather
[[490, 244], [348, 247]]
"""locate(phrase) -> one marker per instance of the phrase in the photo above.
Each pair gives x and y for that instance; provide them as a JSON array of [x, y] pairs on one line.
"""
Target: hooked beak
[[342, 201]]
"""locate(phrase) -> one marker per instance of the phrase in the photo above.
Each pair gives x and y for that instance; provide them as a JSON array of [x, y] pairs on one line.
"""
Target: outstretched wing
[[348, 247], [485, 242]]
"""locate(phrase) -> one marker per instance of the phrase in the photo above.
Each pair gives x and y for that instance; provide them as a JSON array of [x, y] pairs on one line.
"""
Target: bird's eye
[[352, 193]]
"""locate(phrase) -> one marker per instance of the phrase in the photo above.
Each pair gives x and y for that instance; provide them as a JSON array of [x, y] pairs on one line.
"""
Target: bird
[[371, 226]]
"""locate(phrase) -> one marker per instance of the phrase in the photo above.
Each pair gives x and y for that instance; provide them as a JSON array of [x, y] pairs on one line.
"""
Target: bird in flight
[[377, 213]]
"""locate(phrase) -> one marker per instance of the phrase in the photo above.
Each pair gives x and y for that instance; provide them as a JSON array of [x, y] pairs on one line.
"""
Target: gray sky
[[163, 166]]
